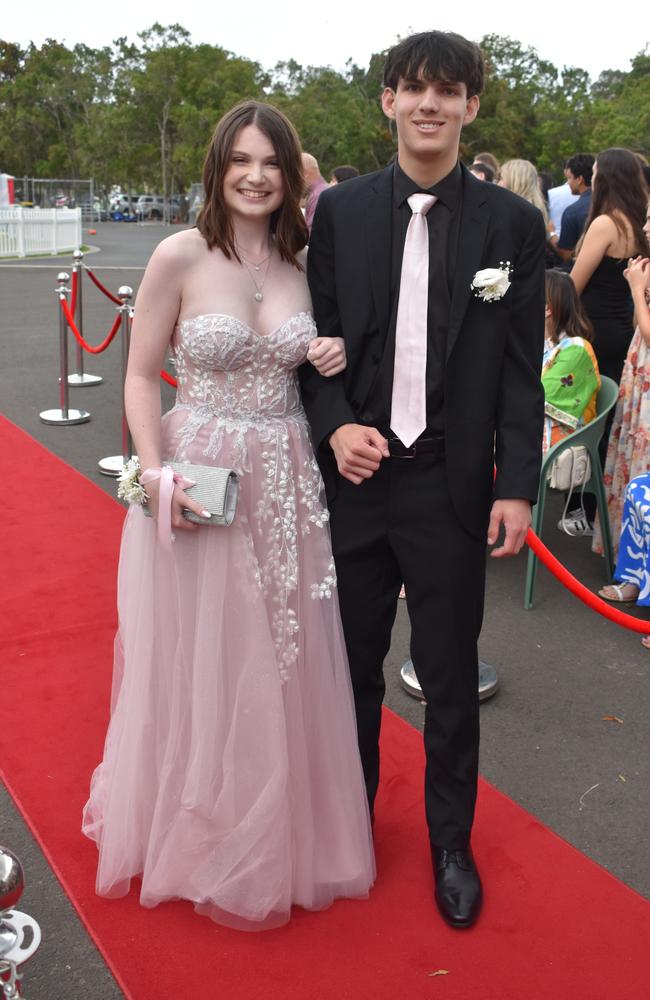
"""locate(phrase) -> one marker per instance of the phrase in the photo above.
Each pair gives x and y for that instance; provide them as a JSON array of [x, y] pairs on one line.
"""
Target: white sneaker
[[576, 523]]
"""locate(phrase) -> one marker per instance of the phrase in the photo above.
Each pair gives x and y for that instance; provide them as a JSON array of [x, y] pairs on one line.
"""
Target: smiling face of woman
[[253, 186]]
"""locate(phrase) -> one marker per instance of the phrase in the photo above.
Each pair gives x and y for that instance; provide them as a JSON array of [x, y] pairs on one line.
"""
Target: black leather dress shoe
[[458, 887]]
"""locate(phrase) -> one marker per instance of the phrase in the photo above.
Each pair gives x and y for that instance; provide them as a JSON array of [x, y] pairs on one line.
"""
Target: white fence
[[26, 231]]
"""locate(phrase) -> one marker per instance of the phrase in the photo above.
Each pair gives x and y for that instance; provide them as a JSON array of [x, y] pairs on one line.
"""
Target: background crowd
[[597, 322]]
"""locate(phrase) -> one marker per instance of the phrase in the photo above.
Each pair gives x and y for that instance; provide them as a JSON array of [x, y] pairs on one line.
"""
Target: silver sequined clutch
[[216, 490]]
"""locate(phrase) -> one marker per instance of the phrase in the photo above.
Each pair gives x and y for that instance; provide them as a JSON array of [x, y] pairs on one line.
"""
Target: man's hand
[[515, 515], [358, 451]]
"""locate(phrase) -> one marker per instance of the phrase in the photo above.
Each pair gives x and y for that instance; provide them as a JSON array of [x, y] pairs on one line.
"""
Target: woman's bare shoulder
[[615, 231], [179, 249], [601, 235], [603, 225]]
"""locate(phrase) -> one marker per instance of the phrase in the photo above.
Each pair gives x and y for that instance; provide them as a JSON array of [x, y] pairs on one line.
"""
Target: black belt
[[424, 445]]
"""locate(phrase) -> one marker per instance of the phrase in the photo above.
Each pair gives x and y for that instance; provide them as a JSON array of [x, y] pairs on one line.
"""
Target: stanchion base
[[111, 466], [85, 379], [28, 937], [488, 681], [57, 417], [8, 938]]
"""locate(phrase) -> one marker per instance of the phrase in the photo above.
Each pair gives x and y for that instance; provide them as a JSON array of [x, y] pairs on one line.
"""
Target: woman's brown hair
[[567, 314], [619, 191], [287, 222]]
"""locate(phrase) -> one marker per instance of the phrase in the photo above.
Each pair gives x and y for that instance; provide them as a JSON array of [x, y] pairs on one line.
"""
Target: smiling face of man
[[429, 116]]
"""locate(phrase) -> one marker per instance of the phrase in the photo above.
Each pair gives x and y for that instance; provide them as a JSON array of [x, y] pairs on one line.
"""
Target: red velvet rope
[[102, 288], [169, 379], [579, 590], [86, 346]]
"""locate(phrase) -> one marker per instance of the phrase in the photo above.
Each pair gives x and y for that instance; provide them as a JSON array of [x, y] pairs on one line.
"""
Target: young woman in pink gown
[[231, 774]]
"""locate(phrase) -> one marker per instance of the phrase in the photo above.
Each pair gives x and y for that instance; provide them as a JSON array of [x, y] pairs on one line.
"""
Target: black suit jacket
[[493, 397]]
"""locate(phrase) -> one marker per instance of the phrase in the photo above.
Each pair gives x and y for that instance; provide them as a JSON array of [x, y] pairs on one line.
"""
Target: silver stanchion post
[[20, 935], [64, 415], [80, 377], [112, 466], [488, 680]]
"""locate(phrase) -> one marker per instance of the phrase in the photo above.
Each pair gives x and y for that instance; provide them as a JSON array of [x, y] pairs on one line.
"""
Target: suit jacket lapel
[[473, 231], [378, 232]]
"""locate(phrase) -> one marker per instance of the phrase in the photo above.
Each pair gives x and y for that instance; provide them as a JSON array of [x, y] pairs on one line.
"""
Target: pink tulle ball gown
[[231, 774]]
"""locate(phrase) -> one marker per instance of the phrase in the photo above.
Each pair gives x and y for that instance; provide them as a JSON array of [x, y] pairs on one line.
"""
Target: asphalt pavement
[[561, 667]]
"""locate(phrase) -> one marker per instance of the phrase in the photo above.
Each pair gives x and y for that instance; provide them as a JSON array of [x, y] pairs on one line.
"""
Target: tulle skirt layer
[[231, 774]]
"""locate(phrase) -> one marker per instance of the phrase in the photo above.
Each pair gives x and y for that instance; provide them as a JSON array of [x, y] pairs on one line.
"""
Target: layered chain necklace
[[257, 269]]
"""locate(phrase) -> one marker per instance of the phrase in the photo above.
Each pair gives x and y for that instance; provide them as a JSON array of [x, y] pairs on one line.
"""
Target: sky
[[330, 33]]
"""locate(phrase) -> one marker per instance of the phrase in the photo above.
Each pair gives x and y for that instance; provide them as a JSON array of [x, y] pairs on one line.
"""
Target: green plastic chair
[[589, 436]]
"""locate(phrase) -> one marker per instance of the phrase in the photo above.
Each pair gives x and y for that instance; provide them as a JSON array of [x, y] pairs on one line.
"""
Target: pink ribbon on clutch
[[168, 479]]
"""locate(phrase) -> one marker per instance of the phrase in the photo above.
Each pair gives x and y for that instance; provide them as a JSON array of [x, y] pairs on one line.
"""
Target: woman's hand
[[180, 502], [637, 273], [327, 355]]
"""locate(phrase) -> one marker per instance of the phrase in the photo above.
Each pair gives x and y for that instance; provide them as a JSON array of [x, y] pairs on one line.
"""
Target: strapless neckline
[[246, 326]]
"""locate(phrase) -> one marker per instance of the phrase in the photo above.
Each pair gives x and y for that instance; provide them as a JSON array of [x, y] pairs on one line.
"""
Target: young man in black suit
[[417, 505]]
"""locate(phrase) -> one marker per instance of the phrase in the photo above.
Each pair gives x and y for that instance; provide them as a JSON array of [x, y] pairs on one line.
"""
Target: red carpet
[[555, 925]]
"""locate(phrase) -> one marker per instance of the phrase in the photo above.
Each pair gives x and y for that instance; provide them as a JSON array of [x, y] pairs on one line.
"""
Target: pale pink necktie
[[408, 415]]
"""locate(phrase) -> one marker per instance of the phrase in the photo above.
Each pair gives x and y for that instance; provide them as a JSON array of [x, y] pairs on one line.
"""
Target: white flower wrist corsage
[[129, 487], [492, 283]]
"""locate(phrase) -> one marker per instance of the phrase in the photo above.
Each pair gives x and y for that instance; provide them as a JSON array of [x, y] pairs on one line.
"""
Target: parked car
[[150, 206]]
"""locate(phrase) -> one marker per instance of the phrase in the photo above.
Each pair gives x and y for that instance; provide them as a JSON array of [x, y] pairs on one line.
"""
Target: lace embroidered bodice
[[238, 405], [225, 366]]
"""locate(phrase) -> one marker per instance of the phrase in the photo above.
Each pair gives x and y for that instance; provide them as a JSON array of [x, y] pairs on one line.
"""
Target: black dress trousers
[[400, 525]]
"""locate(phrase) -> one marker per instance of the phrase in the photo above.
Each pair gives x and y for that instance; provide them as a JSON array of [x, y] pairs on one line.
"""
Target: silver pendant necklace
[[252, 264], [252, 269]]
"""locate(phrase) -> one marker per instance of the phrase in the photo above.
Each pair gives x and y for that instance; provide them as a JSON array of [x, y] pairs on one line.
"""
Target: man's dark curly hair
[[437, 55]]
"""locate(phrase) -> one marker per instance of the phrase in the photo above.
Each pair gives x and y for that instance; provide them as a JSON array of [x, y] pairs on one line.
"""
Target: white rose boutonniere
[[492, 283]]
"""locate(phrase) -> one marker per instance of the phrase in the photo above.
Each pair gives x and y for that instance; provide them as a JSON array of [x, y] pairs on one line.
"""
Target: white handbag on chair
[[570, 469]]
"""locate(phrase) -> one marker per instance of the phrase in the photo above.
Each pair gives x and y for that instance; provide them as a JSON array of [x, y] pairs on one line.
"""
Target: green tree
[[564, 120], [53, 88], [517, 84], [338, 120], [623, 118]]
